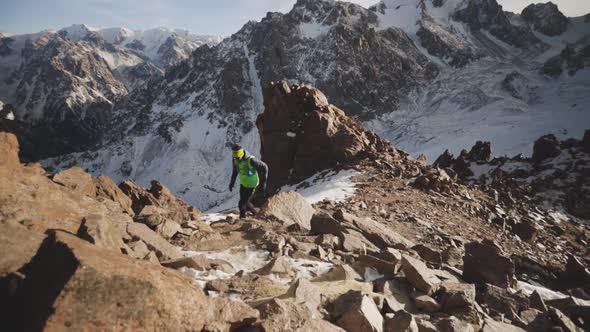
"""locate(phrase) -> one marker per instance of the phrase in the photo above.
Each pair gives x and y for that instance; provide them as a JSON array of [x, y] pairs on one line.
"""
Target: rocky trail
[[412, 247]]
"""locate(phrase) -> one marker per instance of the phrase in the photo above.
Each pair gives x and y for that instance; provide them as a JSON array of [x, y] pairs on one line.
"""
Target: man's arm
[[262, 170], [234, 175]]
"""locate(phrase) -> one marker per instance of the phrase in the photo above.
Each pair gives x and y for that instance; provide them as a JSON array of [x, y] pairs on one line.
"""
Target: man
[[253, 174]]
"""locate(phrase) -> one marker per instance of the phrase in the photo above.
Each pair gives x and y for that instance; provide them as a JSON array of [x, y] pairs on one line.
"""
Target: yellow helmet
[[239, 153]]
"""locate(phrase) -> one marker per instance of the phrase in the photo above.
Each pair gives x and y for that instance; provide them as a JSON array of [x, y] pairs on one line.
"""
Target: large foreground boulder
[[484, 262], [73, 285], [302, 134]]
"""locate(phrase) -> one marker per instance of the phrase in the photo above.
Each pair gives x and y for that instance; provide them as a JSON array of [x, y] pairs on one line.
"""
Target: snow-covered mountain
[[64, 84], [427, 74], [162, 46]]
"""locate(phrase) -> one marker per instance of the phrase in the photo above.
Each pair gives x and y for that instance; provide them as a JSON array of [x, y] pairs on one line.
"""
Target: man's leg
[[245, 196]]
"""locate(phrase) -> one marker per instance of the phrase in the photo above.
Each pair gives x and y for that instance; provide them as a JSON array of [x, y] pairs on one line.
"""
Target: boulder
[[162, 248], [452, 324], [340, 272], [278, 314], [576, 273], [302, 134], [558, 318], [355, 242], [139, 196], [9, 150], [398, 290], [537, 302], [377, 233], [419, 275], [168, 228], [491, 325], [198, 262], [501, 300], [290, 208], [428, 254], [314, 325], [177, 209], [279, 266], [77, 180], [73, 285], [151, 215], [546, 147], [305, 293], [102, 232], [385, 268], [425, 303], [139, 248], [357, 312], [530, 315], [484, 262], [323, 223], [526, 231], [452, 256], [454, 296], [402, 321], [105, 187], [425, 326]]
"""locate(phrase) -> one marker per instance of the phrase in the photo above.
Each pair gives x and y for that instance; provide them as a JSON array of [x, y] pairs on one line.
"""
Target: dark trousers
[[245, 205]]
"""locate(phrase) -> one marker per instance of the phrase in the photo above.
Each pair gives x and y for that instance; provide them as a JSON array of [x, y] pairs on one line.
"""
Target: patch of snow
[[290, 134], [372, 274], [247, 259], [304, 269], [209, 218], [10, 116], [404, 14], [313, 29], [331, 185], [546, 294]]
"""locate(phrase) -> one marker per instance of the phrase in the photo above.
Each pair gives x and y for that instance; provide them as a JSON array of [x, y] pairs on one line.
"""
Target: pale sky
[[215, 17]]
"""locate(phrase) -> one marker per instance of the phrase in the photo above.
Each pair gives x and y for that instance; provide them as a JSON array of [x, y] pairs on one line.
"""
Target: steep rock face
[[488, 14], [336, 47], [302, 134], [572, 58], [545, 18], [444, 44]]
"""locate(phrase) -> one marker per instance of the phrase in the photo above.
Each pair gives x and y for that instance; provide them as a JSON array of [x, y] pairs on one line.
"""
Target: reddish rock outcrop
[[68, 276], [301, 134]]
